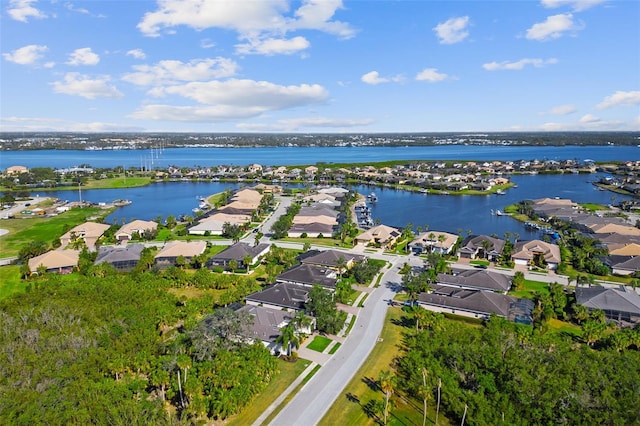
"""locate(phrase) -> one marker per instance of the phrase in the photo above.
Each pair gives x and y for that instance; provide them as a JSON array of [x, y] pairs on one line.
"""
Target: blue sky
[[319, 66]]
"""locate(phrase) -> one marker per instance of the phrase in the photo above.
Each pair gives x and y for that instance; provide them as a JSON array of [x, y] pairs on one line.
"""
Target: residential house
[[622, 265], [534, 251], [140, 227], [333, 259], [481, 247], [168, 255], [309, 275], [283, 296], [621, 305], [312, 230], [90, 232], [266, 326], [380, 235], [433, 242], [474, 279], [57, 261], [123, 258], [477, 304], [238, 252]]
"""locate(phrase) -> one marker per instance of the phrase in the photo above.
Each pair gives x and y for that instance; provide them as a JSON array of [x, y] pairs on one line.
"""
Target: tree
[[518, 280], [322, 306], [386, 382], [288, 337], [425, 392]]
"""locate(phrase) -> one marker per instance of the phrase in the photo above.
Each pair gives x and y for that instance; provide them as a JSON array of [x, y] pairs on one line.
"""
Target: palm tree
[[288, 337], [438, 404], [341, 264], [424, 391], [386, 384], [420, 315]]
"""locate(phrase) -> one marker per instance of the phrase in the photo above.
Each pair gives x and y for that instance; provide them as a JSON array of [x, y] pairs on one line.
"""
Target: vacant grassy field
[[288, 373], [10, 281], [48, 229]]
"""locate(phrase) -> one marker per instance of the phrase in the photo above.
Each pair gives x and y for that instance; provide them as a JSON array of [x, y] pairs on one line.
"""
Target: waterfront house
[[433, 242], [123, 258], [139, 227], [238, 253], [283, 296], [536, 252], [89, 232], [311, 230], [620, 305], [168, 255], [481, 247], [477, 304], [309, 275], [56, 261], [380, 235]]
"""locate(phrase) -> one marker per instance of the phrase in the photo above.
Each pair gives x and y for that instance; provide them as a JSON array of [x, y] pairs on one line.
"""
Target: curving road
[[311, 403]]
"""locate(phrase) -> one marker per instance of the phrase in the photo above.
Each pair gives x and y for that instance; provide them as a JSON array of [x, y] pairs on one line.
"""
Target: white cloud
[[453, 30], [273, 46], [83, 56], [620, 98], [589, 118], [373, 78], [518, 65], [297, 124], [26, 55], [577, 5], [22, 10], [260, 20], [231, 100], [207, 43], [553, 27], [81, 85], [562, 110], [431, 75], [171, 71], [137, 53]]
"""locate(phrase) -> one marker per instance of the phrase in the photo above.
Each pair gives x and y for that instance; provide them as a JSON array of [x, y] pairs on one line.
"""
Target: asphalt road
[[312, 402]]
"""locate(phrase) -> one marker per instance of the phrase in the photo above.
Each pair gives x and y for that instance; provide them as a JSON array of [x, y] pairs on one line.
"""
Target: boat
[[501, 192], [372, 197], [499, 213], [121, 203]]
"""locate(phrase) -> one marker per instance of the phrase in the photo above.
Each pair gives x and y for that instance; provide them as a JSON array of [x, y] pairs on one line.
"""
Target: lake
[[286, 156], [449, 213]]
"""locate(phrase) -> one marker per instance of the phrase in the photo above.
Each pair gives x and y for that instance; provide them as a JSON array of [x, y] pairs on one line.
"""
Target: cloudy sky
[[319, 66]]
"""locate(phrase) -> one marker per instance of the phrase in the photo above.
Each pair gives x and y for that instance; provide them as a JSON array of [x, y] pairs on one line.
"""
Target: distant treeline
[[37, 140]]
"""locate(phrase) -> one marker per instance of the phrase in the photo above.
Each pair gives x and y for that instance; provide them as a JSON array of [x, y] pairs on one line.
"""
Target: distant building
[[168, 255], [90, 232], [621, 305], [16, 170], [127, 231], [526, 252], [123, 258], [56, 261]]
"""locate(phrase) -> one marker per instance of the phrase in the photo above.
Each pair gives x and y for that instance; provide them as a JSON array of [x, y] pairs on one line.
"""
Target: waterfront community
[[293, 259]]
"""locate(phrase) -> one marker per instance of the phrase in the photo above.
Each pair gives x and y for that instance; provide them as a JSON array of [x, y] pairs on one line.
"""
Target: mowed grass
[[47, 229], [289, 371], [530, 289], [319, 343], [349, 411]]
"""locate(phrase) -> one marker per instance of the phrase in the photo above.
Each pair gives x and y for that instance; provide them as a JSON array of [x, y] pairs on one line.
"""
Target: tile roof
[[309, 275], [286, 295]]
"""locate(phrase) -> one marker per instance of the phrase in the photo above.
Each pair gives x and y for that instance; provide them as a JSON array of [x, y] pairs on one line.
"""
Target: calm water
[[395, 208], [206, 157]]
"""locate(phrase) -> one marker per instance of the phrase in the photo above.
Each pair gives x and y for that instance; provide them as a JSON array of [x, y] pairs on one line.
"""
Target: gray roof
[[266, 322], [474, 242], [309, 275], [318, 210], [286, 295], [609, 299], [312, 227], [629, 263], [477, 280], [112, 254], [481, 302], [238, 251], [331, 258]]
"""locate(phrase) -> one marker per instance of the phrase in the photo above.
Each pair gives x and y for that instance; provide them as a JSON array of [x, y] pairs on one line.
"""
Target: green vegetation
[[319, 343], [335, 348], [10, 281], [289, 371], [43, 229]]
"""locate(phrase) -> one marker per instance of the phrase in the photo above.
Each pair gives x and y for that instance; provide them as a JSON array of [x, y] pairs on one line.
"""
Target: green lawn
[[10, 281], [530, 288], [288, 373], [350, 411], [335, 348], [45, 229], [319, 343]]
